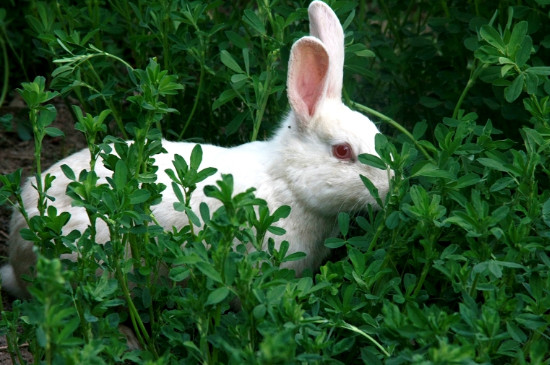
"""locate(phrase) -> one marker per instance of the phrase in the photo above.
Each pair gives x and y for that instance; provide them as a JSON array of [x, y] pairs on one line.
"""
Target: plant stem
[[394, 124], [261, 110], [375, 237], [6, 72], [445, 8], [109, 103], [476, 70], [474, 285], [76, 61], [7, 41], [137, 323], [195, 103], [201, 58], [391, 24], [423, 276], [38, 135]]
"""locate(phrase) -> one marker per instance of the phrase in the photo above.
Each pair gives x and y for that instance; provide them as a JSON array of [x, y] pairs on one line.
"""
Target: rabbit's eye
[[342, 151]]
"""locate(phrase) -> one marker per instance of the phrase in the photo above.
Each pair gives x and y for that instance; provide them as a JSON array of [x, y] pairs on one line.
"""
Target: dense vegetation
[[453, 268]]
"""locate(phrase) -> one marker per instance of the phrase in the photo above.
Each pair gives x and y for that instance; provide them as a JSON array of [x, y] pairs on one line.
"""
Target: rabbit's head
[[321, 138]]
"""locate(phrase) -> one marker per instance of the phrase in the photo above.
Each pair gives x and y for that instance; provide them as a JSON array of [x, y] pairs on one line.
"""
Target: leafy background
[[453, 268]]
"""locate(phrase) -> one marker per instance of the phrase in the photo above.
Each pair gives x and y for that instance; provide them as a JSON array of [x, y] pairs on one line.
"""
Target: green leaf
[[193, 218], [372, 160], [430, 102], [513, 91], [334, 242], [283, 248], [237, 78], [531, 83], [501, 183], [120, 175], [179, 195], [139, 196], [246, 59], [524, 52], [191, 345], [494, 164], [538, 352], [204, 212], [431, 170], [46, 117], [217, 296], [278, 231], [465, 222], [505, 69], [515, 332], [518, 35], [196, 158], [373, 190], [294, 257], [179, 273], [230, 62], [530, 321], [419, 129], [419, 196], [63, 69], [509, 348], [505, 61], [393, 220], [69, 327], [259, 311], [343, 223], [180, 164], [68, 172], [367, 53], [224, 97], [236, 39], [540, 70], [252, 19], [280, 213], [208, 270], [236, 122], [467, 180], [491, 36], [536, 285], [343, 345], [359, 241], [204, 174], [499, 214], [546, 212]]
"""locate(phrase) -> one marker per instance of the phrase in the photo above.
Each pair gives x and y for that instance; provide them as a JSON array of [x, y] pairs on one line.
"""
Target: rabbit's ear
[[308, 68], [324, 24]]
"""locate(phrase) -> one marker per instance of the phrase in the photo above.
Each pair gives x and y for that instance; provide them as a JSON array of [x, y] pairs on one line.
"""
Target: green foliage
[[452, 267]]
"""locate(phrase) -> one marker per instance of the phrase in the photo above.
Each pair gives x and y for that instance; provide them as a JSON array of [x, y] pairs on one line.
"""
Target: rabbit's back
[[246, 162]]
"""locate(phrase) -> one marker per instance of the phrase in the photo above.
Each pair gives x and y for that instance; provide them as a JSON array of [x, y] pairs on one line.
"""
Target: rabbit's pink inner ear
[[307, 72], [324, 24]]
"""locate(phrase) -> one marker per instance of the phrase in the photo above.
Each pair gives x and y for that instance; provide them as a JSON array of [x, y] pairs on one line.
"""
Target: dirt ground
[[16, 153]]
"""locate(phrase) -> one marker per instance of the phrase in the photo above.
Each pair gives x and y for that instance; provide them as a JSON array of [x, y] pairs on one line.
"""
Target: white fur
[[296, 167]]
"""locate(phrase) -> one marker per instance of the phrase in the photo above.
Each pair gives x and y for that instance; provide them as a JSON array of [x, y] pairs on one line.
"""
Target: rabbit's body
[[310, 164]]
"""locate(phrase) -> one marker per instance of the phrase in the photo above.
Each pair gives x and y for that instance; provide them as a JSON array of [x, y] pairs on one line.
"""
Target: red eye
[[342, 151]]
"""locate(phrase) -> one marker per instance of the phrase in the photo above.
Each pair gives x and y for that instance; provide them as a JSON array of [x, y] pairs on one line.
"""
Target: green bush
[[452, 269]]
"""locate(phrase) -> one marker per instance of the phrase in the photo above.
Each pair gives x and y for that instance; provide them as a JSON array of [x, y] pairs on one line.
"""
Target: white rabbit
[[310, 163]]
